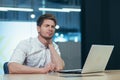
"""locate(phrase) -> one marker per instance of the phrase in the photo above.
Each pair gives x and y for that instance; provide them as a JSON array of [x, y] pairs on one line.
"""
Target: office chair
[[5, 67]]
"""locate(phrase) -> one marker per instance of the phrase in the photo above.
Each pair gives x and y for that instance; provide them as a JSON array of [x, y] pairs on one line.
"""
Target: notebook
[[96, 60]]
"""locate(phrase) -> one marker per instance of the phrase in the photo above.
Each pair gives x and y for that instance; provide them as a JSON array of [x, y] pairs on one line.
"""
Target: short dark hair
[[45, 16]]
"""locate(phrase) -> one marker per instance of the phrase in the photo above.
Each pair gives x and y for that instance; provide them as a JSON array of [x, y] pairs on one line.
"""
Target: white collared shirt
[[32, 52]]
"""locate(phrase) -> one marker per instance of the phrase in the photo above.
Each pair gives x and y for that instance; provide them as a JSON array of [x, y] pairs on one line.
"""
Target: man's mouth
[[49, 33]]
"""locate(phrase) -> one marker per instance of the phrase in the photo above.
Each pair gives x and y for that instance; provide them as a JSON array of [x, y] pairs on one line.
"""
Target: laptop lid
[[97, 58]]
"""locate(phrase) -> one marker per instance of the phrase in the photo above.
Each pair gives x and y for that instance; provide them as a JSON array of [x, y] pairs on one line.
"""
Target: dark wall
[[101, 25]]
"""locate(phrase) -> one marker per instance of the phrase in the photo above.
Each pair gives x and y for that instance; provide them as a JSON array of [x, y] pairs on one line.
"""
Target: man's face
[[47, 29]]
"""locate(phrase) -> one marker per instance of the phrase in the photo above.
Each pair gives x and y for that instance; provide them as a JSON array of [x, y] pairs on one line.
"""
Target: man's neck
[[43, 40]]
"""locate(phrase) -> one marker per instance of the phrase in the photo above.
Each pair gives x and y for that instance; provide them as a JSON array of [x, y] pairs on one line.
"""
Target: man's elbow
[[60, 67], [11, 68]]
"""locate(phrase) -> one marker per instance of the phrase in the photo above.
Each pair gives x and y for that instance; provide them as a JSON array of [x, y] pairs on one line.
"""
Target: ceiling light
[[57, 27], [72, 9], [61, 10], [16, 9], [2, 9], [32, 16], [52, 9]]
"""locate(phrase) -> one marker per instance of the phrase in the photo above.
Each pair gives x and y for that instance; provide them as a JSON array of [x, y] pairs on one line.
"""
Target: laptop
[[96, 60]]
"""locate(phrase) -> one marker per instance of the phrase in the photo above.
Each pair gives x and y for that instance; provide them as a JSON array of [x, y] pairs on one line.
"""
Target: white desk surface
[[107, 75]]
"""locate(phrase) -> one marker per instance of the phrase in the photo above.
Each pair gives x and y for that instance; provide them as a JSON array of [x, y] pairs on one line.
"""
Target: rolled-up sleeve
[[57, 48], [20, 52]]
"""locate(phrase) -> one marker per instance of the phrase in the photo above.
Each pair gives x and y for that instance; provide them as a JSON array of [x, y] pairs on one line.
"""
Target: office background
[[18, 22], [97, 23], [101, 25]]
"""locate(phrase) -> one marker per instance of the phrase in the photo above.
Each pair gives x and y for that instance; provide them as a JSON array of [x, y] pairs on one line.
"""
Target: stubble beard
[[46, 38]]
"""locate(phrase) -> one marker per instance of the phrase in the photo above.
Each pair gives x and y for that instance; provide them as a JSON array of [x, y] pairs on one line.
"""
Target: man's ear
[[38, 29]]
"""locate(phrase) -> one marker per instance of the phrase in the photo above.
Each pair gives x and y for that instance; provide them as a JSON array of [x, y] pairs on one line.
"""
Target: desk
[[107, 75]]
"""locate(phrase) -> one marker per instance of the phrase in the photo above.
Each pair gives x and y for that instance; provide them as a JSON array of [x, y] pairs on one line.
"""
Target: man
[[38, 55]]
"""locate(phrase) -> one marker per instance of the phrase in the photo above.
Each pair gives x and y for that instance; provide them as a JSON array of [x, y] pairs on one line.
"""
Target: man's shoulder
[[28, 40]]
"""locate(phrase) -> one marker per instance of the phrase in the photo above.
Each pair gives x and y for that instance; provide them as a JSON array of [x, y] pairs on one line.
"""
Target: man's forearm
[[15, 68], [56, 59]]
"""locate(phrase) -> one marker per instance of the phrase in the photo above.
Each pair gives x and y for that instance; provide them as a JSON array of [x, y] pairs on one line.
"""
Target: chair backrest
[[5, 67], [67, 52]]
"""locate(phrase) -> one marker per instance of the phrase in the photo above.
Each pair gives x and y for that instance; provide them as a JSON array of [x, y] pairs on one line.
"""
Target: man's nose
[[50, 28]]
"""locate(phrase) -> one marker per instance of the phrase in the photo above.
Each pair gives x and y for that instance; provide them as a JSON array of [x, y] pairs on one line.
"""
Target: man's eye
[[46, 25], [53, 27]]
